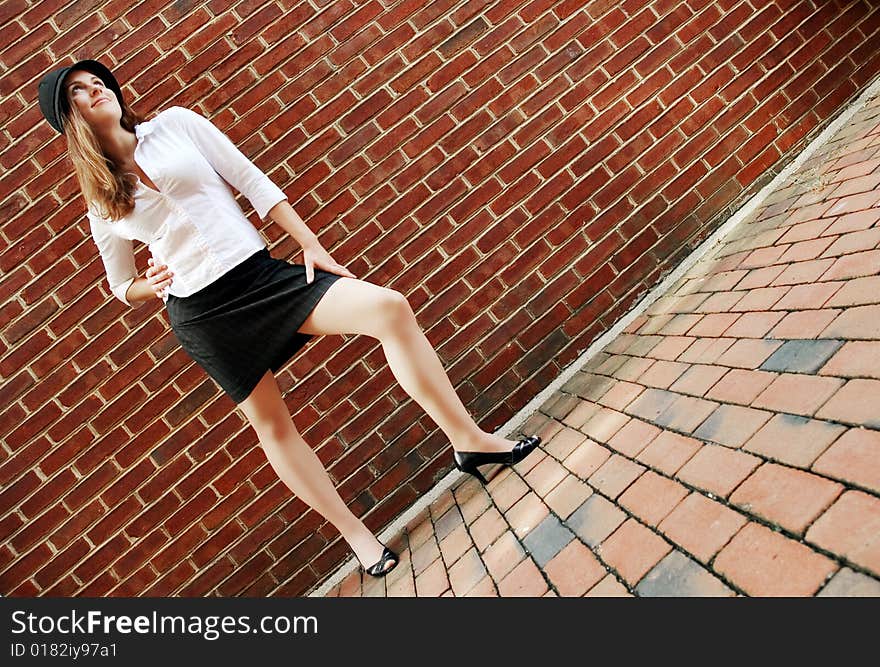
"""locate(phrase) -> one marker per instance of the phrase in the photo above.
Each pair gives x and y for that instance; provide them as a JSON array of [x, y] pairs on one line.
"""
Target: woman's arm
[[290, 222]]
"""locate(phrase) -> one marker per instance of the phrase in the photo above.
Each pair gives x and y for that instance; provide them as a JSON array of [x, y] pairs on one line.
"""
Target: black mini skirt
[[245, 322]]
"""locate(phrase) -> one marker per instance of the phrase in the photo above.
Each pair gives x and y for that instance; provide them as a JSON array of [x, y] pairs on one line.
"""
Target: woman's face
[[96, 103]]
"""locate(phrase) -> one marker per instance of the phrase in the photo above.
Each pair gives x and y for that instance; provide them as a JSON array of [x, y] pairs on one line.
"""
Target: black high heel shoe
[[468, 461], [378, 569]]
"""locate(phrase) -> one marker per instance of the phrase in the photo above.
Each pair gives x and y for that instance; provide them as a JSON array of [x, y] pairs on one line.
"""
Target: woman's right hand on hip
[[159, 278]]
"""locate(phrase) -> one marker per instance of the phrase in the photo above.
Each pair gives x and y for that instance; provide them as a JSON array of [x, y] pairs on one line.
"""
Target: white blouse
[[193, 223]]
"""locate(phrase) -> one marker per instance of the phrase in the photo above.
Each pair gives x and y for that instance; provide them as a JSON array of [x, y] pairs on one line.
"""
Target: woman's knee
[[395, 310]]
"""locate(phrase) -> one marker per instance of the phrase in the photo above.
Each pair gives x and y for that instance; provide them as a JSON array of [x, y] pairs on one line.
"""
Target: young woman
[[238, 312]]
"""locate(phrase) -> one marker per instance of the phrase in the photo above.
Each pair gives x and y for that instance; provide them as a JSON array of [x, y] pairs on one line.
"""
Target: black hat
[[53, 100]]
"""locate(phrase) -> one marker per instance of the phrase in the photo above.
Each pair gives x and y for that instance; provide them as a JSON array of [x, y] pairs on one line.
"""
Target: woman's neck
[[118, 144]]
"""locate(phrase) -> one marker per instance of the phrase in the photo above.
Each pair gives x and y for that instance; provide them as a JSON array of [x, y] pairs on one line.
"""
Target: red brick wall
[[522, 171]]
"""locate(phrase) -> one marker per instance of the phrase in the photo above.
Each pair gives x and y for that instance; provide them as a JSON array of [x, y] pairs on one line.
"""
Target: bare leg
[[356, 306], [301, 469]]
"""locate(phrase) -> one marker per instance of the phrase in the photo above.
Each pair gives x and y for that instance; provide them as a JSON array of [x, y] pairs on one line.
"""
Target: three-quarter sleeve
[[117, 254], [229, 162]]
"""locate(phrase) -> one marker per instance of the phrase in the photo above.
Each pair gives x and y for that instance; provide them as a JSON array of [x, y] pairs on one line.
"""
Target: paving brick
[[420, 530], [671, 348], [611, 364], [527, 513], [854, 242], [857, 292], [564, 442], [686, 414], [785, 496], [546, 475], [849, 583], [662, 374], [649, 324], [679, 576], [402, 587], [805, 324], [547, 539], [855, 359], [802, 356], [804, 272], [574, 570], [587, 385], [764, 257], [455, 544], [718, 469], [466, 572], [350, 586], [720, 302], [753, 325], [433, 581], [439, 507], [855, 265], [732, 425], [609, 587], [485, 588], [706, 350], [633, 369], [586, 459], [762, 298], [504, 554], [641, 346], [475, 503], [764, 563], [812, 296], [854, 458], [579, 414], [525, 580], [633, 437], [851, 222], [595, 520], [698, 379], [651, 497], [723, 281], [559, 405], [740, 386], [794, 440], [805, 250], [758, 278], [857, 402], [701, 526], [713, 325], [651, 403], [798, 393], [748, 353], [857, 323], [620, 395], [615, 475], [604, 424], [568, 496], [680, 324], [851, 528], [448, 522], [488, 528], [632, 550], [805, 230], [508, 491], [669, 451]]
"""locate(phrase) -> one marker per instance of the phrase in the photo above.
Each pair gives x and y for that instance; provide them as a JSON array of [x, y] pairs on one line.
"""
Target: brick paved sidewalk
[[728, 443]]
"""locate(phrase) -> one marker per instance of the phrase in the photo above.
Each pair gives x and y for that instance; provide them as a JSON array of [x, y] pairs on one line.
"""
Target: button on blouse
[[192, 222]]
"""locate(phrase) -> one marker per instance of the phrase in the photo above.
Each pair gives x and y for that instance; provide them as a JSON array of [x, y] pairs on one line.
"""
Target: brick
[[797, 393], [857, 323], [740, 386], [855, 265], [485, 588], [851, 528], [564, 442], [466, 573], [748, 353], [662, 374], [632, 550], [857, 402], [717, 306], [633, 437], [813, 296], [854, 242], [686, 414], [764, 563], [651, 403], [621, 395], [455, 544], [851, 222], [568, 496], [680, 324], [759, 278], [679, 576], [805, 272], [805, 250], [718, 469], [508, 491], [856, 292], [524, 581], [424, 555], [698, 379], [574, 570], [671, 348], [713, 325], [632, 369], [848, 583], [651, 497], [527, 513], [615, 475], [794, 440], [595, 520], [450, 520], [503, 555], [544, 477], [788, 497], [805, 324], [580, 414], [488, 528], [854, 458], [802, 356], [547, 539], [855, 359], [762, 298], [433, 581], [604, 424], [586, 459], [607, 588], [732, 425], [669, 451], [706, 350]]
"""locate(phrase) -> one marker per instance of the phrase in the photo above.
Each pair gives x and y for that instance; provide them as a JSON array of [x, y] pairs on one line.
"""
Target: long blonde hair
[[104, 185]]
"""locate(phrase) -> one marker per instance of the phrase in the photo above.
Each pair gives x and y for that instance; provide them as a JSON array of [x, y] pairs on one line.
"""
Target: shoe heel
[[473, 471]]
